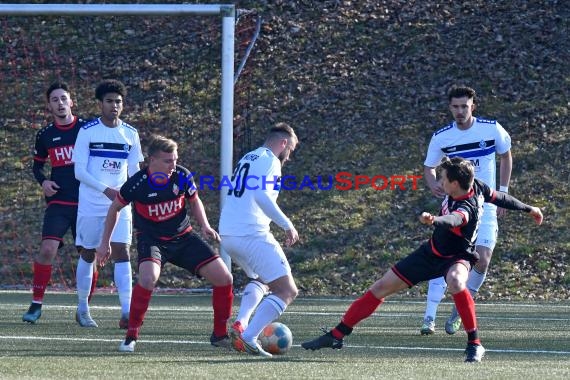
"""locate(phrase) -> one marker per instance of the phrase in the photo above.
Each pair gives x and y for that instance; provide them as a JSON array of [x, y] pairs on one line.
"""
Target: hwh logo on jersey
[[61, 155], [165, 210]]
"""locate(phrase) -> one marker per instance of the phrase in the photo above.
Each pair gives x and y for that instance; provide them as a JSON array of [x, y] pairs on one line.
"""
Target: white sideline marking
[[36, 338]]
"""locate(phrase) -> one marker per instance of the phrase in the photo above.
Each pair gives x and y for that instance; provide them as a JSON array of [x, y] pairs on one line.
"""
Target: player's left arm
[[511, 203], [135, 157], [505, 170], [199, 214]]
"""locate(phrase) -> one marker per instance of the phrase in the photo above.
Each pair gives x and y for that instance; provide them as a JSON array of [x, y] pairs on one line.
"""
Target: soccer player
[[478, 140], [54, 143], [106, 152], [249, 208], [450, 252], [160, 193]]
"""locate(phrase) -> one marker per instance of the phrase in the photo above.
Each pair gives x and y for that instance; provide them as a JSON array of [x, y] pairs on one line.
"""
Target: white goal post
[[228, 15]]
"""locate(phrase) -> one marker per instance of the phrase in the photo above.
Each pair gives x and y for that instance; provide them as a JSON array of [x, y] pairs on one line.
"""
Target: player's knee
[[88, 255], [456, 283], [120, 253], [47, 253], [147, 281]]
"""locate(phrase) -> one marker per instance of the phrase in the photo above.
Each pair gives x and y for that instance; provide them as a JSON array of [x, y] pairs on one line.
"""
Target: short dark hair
[[458, 169], [283, 131], [110, 85], [160, 143], [55, 86], [460, 91]]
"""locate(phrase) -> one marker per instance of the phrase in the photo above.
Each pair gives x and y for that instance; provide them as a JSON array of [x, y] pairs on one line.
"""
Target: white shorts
[[90, 230], [260, 256], [489, 228]]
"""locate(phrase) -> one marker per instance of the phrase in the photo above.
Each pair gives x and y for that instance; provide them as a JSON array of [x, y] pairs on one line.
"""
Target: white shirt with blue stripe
[[107, 154], [478, 143]]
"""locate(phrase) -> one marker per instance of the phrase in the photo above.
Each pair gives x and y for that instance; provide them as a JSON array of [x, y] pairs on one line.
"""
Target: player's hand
[[49, 188], [211, 233], [111, 193], [427, 218], [537, 215], [501, 212], [437, 190], [102, 254], [292, 237]]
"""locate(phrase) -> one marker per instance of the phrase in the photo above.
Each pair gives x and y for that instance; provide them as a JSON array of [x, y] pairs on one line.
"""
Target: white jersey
[[478, 144], [251, 202], [106, 153]]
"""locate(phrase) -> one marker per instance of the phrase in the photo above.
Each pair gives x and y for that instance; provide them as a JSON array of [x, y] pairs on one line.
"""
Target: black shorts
[[57, 220], [423, 265], [189, 252]]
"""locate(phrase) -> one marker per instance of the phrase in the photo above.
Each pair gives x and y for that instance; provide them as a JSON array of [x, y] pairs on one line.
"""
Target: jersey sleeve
[[434, 153], [127, 192], [263, 197], [135, 156], [81, 147], [40, 157], [503, 140]]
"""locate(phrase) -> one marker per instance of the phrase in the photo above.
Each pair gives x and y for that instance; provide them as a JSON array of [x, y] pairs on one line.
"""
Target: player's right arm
[[80, 159], [432, 182], [433, 158], [41, 155]]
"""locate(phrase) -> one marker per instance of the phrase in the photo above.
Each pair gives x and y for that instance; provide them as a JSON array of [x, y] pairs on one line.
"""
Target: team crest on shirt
[[126, 147], [175, 189], [482, 144]]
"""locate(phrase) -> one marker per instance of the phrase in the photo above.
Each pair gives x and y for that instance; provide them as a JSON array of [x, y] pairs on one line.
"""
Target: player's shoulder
[[129, 127], [482, 120], [88, 124], [182, 170], [442, 130], [44, 130], [81, 121]]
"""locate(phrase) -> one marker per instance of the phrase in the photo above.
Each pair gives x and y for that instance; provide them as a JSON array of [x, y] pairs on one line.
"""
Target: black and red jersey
[[160, 208], [448, 242], [54, 143]]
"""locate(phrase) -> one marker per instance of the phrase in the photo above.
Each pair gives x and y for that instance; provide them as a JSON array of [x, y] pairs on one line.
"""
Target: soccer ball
[[276, 338]]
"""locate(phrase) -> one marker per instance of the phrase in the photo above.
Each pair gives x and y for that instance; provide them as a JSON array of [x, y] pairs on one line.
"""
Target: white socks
[[84, 276], [436, 292], [475, 280], [123, 277], [269, 310], [252, 295]]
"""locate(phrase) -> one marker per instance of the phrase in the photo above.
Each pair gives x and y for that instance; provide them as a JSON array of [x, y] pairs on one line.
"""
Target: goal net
[[172, 67]]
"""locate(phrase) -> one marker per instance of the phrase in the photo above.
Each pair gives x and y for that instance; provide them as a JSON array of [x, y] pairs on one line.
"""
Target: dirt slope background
[[363, 83]]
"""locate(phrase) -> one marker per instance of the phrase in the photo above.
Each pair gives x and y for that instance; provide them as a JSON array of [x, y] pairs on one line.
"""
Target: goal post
[[227, 12]]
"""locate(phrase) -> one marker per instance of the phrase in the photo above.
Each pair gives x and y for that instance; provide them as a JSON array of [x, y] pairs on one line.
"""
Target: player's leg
[[261, 256], [89, 231], [149, 273], [216, 272], [57, 220], [456, 280], [122, 271], [253, 292], [436, 292], [407, 272], [359, 310], [486, 240], [42, 275]]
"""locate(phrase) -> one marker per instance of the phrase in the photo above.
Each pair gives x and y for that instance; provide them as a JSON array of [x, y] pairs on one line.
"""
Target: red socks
[[466, 309], [360, 309], [222, 300], [42, 275], [139, 305]]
